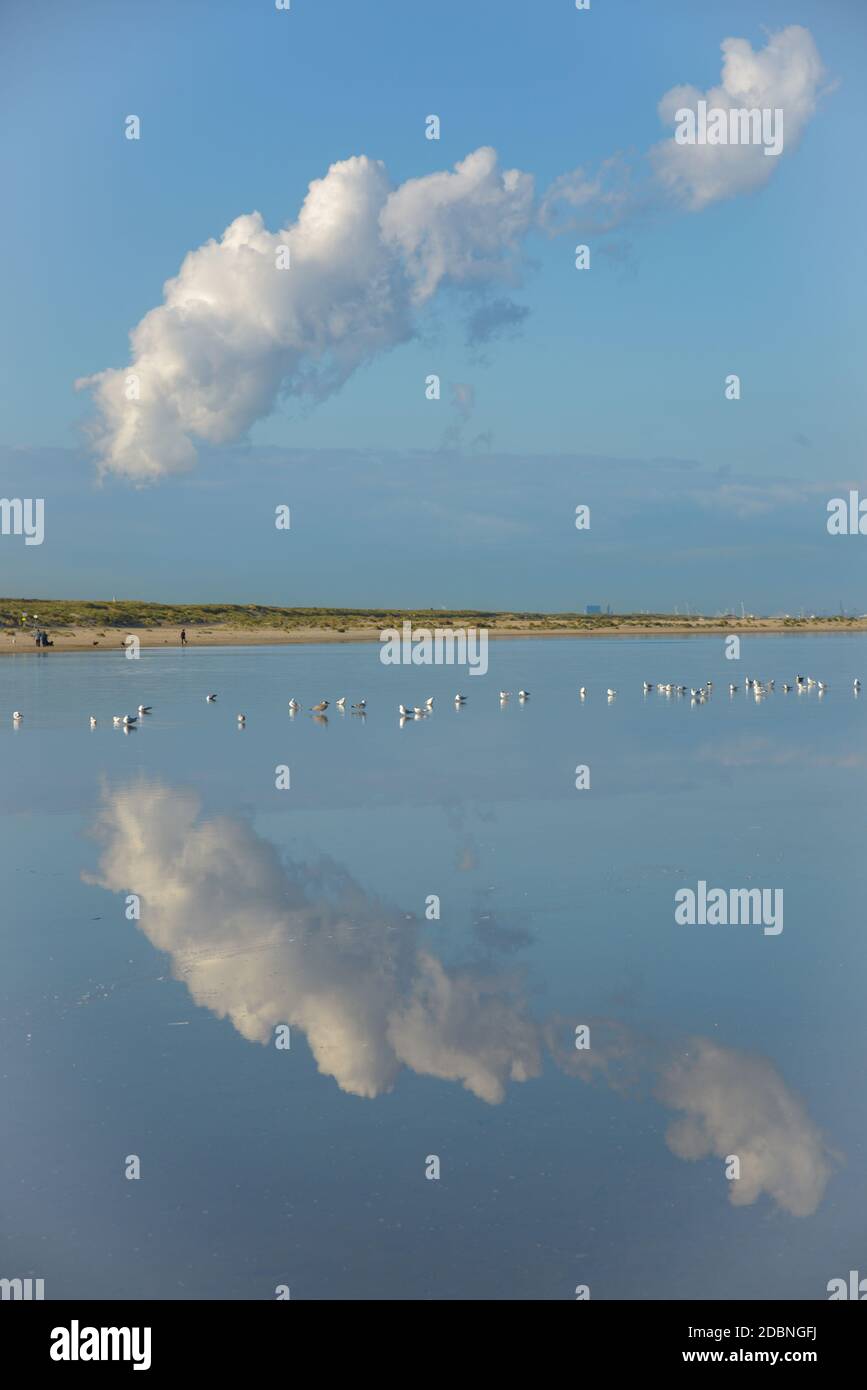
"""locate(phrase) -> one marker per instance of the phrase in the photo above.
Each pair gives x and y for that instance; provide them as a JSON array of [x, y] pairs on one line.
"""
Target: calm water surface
[[414, 1036]]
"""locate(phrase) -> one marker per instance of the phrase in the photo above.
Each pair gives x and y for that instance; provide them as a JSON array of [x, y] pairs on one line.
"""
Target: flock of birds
[[698, 695], [759, 689]]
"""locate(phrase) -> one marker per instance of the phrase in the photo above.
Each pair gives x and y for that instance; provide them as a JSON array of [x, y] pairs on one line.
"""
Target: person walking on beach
[[183, 636]]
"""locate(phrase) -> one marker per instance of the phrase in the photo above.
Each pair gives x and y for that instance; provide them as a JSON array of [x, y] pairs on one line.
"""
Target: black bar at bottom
[[160, 1338]]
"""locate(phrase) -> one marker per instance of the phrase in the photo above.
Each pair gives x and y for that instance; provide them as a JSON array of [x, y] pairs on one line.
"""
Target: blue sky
[[241, 107]]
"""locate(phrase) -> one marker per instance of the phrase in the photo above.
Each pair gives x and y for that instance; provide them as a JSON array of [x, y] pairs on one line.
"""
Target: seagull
[[582, 692], [210, 699], [428, 704], [823, 686], [856, 685], [647, 686], [732, 689], [93, 721], [362, 704], [611, 694], [419, 712], [404, 712], [460, 699], [115, 719], [129, 719], [16, 715], [341, 702], [242, 718], [786, 688], [145, 709], [293, 705], [504, 694], [320, 708]]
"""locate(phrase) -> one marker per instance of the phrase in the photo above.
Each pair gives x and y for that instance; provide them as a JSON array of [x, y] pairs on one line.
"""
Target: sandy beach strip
[[96, 639]]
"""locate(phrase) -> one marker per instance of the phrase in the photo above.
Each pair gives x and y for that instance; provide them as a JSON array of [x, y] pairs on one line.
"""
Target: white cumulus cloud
[[237, 329], [730, 1103], [785, 75], [737, 1104], [261, 942]]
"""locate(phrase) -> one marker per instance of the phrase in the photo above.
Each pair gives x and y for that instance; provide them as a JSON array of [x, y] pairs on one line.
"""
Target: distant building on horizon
[[594, 609]]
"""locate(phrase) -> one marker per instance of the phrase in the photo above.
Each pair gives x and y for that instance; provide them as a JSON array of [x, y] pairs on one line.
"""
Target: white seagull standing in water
[[523, 694], [582, 692], [504, 694], [210, 699], [93, 721], [341, 702], [460, 699], [242, 718], [145, 709], [17, 716], [428, 704], [856, 685], [611, 694]]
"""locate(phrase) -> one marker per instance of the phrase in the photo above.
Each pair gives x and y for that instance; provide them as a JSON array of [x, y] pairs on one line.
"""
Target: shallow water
[[453, 1037]]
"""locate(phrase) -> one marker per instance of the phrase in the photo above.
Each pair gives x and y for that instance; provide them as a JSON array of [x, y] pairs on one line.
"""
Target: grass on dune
[[130, 613]]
